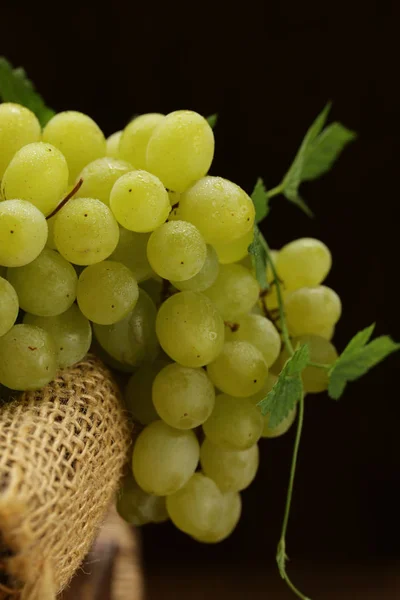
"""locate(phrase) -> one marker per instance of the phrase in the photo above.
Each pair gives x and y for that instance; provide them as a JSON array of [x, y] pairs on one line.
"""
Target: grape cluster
[[147, 264]]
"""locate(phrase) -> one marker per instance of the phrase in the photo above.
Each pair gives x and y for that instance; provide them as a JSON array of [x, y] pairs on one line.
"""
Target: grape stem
[[67, 197], [318, 365], [278, 189]]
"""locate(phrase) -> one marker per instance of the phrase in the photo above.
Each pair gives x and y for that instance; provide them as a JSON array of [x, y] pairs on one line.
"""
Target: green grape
[[112, 144], [220, 209], [231, 511], [153, 287], [9, 306], [260, 332], [47, 286], [174, 197], [38, 173], [18, 127], [282, 428], [232, 470], [303, 263], [180, 149], [109, 360], [27, 358], [164, 458], [132, 340], [135, 138], [239, 370], [235, 250], [139, 201], [132, 252], [85, 231], [183, 397], [70, 331], [267, 387], [234, 292], [196, 508], [78, 137], [235, 423], [204, 278], [269, 274], [107, 292], [99, 177], [50, 234], [23, 232], [176, 250], [137, 507], [190, 329], [138, 393], [327, 332], [311, 310]]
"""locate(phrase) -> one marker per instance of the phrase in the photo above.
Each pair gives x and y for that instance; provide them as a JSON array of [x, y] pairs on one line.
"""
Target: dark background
[[268, 68]]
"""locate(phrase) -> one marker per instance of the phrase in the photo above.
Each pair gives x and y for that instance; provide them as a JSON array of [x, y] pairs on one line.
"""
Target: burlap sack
[[62, 451]]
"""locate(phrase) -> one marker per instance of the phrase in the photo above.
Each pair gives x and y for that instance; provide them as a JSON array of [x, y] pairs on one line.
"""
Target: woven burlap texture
[[62, 451]]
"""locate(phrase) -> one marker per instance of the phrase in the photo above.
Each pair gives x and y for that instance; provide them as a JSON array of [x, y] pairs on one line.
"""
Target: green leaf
[[259, 258], [358, 358], [260, 200], [325, 150], [212, 120], [16, 87], [288, 388]]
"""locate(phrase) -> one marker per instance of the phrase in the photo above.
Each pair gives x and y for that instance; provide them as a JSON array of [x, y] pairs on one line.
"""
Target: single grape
[[112, 144], [23, 232], [153, 287], [139, 201], [132, 340], [71, 332], [303, 263], [135, 138], [327, 332], [132, 252], [190, 329], [85, 231], [239, 370], [234, 424], [235, 250], [180, 149], [196, 508], [266, 388], [38, 173], [27, 358], [18, 127], [138, 393], [99, 177], [232, 470], [183, 397], [107, 292], [231, 511], [78, 137], [9, 306], [47, 286], [260, 332], [176, 250], [220, 209], [312, 309], [204, 278], [234, 292], [164, 458], [137, 507]]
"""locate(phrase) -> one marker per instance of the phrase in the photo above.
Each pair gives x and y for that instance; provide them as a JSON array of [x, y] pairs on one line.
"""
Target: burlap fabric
[[62, 451]]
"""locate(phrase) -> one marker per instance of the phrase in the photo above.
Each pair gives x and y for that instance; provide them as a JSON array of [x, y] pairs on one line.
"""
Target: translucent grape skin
[[27, 358], [85, 231], [231, 511], [180, 149], [137, 507], [71, 333], [190, 329], [107, 292], [239, 370], [234, 292], [99, 177], [135, 138], [304, 262], [235, 250], [132, 252], [196, 508], [312, 309], [183, 397], [164, 458], [204, 278], [23, 232], [9, 306], [138, 393], [112, 144], [232, 470], [38, 173], [234, 424], [139, 201], [176, 250], [18, 127], [220, 209], [47, 286], [260, 332]]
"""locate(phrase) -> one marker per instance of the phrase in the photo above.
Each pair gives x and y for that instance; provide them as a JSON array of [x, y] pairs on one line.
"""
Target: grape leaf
[[260, 200], [259, 258], [358, 358], [288, 388], [325, 150], [212, 120], [16, 87]]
